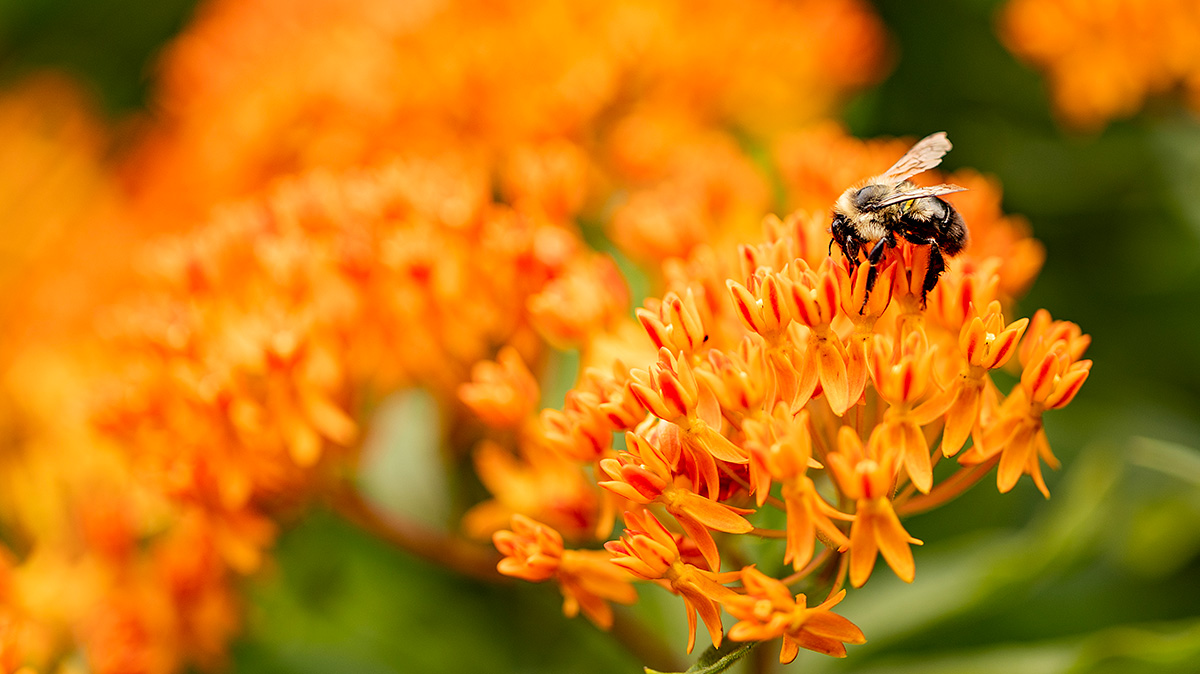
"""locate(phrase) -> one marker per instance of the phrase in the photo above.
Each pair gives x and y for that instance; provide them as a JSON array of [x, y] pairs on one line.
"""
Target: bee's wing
[[919, 192], [926, 154]]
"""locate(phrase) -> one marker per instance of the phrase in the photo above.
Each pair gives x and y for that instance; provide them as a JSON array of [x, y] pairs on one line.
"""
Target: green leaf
[[717, 660]]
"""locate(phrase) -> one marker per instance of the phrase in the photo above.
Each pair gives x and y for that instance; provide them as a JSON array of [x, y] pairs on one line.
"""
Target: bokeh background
[[1104, 577]]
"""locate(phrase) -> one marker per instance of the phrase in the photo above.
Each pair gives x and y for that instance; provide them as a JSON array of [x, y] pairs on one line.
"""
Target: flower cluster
[[330, 202], [1104, 59], [779, 390]]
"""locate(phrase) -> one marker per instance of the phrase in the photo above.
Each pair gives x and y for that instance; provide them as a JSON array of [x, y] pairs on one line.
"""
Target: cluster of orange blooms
[[1104, 59], [332, 201], [779, 391]]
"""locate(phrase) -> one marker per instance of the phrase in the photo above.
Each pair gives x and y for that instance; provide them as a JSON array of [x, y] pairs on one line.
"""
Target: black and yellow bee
[[869, 216]]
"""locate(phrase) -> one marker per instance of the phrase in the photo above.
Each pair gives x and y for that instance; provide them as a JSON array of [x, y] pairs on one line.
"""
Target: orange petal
[[1005, 345], [960, 419], [857, 371], [718, 445], [773, 309], [916, 456], [789, 651], [801, 535], [653, 327], [972, 341], [712, 514], [691, 616], [831, 368], [1068, 385], [834, 626], [1015, 458], [937, 405], [1038, 378], [894, 541], [747, 306], [806, 383], [803, 306], [863, 546]]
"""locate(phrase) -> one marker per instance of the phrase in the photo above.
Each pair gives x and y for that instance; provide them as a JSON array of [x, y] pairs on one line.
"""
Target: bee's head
[[869, 197]]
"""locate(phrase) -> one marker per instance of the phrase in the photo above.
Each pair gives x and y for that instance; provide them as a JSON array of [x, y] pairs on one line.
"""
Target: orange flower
[[501, 393], [773, 364], [586, 299], [359, 199], [813, 299], [738, 380], [903, 376], [669, 390], [644, 476], [588, 579], [768, 611], [868, 480], [651, 552], [1052, 376], [985, 344], [674, 323], [761, 307], [1103, 61], [781, 450]]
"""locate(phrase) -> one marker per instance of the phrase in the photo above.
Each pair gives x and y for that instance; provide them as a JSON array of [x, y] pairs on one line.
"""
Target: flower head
[[534, 552], [648, 550], [768, 610]]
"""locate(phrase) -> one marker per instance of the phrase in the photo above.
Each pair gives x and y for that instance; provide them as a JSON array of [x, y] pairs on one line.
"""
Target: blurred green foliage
[[341, 601], [1103, 578], [109, 45]]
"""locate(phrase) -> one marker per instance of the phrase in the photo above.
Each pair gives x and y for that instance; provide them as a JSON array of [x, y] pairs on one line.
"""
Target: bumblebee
[[869, 216]]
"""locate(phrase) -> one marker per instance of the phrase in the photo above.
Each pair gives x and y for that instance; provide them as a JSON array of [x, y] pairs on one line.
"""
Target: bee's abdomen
[[933, 218]]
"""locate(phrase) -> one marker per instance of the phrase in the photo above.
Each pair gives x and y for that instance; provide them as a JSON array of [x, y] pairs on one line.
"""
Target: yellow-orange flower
[[643, 475], [651, 552], [868, 479], [986, 343], [768, 611], [1104, 59], [534, 552], [1053, 374], [533, 482], [781, 450], [774, 364], [502, 393]]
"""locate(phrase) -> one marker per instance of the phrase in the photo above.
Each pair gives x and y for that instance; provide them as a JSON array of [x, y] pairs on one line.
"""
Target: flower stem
[[458, 554], [947, 490]]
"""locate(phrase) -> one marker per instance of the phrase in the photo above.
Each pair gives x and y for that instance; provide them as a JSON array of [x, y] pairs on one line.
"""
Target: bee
[[869, 216]]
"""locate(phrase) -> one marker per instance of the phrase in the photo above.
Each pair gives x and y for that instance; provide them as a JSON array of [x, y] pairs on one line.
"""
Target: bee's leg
[[937, 261], [937, 265], [873, 259]]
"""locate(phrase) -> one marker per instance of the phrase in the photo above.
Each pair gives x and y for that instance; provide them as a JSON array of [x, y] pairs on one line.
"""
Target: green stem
[[446, 550]]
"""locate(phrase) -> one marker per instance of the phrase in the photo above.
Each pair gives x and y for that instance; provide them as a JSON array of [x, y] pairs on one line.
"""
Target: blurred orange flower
[[1104, 59]]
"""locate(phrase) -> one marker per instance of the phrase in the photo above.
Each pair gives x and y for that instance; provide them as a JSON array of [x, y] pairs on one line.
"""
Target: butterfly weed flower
[[643, 475], [1102, 62], [651, 552], [534, 552], [769, 610], [323, 237], [781, 384]]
